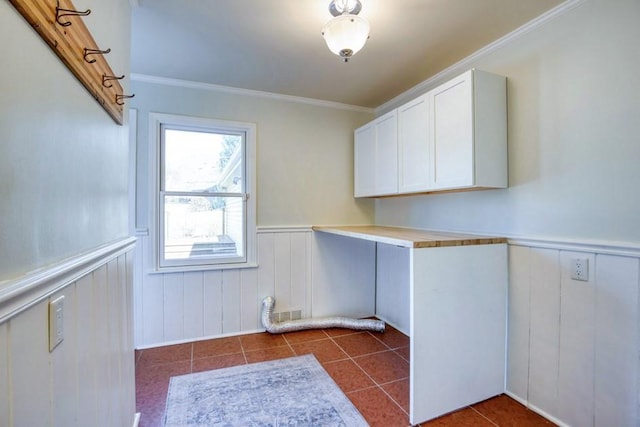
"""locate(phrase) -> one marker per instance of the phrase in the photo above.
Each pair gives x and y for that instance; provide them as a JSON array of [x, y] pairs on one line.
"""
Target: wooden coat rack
[[61, 26]]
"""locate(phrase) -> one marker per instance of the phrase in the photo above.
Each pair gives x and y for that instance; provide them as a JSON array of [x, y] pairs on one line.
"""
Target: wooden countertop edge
[[410, 238]]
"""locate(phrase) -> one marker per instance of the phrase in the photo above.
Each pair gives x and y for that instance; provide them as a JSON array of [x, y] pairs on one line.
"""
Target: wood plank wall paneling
[[88, 353], [89, 378], [518, 323], [616, 349], [544, 344], [174, 307], [574, 346]]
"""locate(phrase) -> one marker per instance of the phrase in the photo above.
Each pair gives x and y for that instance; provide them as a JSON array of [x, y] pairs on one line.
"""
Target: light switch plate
[[56, 322]]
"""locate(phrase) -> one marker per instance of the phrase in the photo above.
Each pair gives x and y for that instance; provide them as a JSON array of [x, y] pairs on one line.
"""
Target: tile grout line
[[482, 415], [376, 385], [244, 355], [388, 382]]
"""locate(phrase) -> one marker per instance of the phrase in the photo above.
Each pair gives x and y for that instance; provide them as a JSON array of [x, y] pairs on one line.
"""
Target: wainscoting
[[573, 346], [178, 307], [88, 380]]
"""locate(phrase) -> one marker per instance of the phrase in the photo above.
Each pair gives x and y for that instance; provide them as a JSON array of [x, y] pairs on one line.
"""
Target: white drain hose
[[324, 322]]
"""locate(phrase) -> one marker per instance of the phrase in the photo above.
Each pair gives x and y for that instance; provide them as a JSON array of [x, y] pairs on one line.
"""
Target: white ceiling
[[275, 45]]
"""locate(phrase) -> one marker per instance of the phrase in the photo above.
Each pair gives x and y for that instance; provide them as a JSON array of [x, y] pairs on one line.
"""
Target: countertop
[[409, 237]]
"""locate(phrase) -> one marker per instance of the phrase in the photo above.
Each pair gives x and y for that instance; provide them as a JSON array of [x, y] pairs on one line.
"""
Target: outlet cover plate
[[580, 269]]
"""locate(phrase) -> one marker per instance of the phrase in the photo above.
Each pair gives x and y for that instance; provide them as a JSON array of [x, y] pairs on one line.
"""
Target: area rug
[[295, 391]]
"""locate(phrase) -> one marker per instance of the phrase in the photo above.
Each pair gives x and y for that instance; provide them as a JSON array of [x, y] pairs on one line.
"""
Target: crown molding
[[467, 63], [145, 78]]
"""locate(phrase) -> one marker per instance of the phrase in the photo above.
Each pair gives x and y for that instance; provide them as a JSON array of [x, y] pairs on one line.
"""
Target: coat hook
[[88, 52], [68, 12], [119, 98], [105, 79]]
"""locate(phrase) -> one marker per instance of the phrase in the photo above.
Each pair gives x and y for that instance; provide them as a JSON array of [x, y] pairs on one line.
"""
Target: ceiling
[[275, 45]]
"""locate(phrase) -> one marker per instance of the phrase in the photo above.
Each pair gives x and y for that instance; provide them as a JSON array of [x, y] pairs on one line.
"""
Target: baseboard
[[535, 409], [208, 337]]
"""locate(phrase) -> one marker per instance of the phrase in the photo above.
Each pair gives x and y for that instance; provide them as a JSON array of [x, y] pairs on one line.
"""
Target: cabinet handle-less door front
[[387, 154], [364, 178], [452, 134], [413, 146]]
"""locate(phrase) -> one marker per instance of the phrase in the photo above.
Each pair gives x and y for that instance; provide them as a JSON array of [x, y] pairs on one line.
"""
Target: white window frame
[[156, 120]]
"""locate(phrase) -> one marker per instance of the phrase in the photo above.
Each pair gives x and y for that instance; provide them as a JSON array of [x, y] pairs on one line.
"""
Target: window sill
[[192, 268]]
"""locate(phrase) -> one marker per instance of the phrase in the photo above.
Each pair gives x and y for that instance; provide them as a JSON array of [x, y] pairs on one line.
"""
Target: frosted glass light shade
[[346, 35]]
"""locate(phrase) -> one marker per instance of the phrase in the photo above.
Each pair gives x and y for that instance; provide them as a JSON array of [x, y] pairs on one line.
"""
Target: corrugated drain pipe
[[323, 322]]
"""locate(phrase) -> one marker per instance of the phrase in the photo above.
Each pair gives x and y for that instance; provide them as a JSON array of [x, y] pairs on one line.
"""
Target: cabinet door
[[413, 146], [387, 154], [452, 133], [364, 179]]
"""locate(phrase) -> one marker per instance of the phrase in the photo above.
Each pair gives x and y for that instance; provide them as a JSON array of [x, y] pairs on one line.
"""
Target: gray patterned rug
[[288, 392]]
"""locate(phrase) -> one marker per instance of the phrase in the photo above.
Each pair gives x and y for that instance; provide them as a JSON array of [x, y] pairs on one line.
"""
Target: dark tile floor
[[371, 368]]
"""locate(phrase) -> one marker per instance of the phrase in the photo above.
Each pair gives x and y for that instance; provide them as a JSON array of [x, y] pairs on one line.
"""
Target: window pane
[[203, 227], [202, 161]]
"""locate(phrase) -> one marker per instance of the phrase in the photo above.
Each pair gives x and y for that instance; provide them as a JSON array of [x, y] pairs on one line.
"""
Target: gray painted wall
[[304, 152], [63, 160], [574, 149]]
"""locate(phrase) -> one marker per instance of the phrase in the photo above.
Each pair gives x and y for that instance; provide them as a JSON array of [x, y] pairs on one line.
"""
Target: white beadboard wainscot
[[176, 307], [88, 379], [301, 270], [573, 346]]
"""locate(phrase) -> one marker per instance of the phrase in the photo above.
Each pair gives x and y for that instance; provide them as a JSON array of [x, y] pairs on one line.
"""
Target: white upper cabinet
[[452, 138], [468, 136], [376, 157], [414, 169]]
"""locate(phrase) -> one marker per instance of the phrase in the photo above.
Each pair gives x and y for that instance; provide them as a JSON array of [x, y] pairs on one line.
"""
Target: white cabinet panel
[[343, 282], [392, 286], [469, 132], [616, 341], [365, 161], [455, 313], [387, 154], [376, 157], [451, 138], [413, 146], [452, 141]]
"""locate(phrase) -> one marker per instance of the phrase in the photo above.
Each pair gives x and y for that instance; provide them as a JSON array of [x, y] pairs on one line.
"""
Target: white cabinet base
[[457, 304]]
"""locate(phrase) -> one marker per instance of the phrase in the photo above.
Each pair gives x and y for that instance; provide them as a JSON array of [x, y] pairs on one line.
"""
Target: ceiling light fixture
[[347, 32]]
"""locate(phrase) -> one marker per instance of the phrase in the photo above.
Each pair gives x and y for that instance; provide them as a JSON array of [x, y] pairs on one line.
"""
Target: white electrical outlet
[[580, 269], [56, 322]]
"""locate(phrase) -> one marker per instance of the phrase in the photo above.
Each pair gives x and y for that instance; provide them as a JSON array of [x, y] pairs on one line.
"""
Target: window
[[204, 207]]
